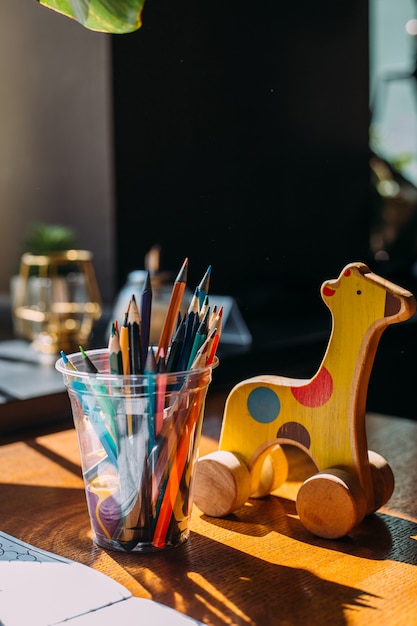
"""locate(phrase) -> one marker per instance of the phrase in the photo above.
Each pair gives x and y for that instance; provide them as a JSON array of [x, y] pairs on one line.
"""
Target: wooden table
[[258, 566]]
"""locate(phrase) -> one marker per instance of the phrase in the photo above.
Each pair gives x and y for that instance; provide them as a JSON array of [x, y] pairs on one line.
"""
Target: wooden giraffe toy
[[324, 416]]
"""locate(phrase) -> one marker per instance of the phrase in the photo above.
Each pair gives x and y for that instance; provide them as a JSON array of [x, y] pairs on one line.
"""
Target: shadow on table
[[204, 578], [219, 585], [380, 536]]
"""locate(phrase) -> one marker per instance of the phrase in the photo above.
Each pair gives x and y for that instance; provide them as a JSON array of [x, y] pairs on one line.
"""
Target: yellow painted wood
[[324, 415]]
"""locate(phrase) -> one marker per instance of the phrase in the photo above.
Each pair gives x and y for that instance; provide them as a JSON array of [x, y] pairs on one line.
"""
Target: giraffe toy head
[[372, 300]]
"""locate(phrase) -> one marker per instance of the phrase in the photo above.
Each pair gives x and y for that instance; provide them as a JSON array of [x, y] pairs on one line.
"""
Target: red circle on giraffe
[[317, 392]]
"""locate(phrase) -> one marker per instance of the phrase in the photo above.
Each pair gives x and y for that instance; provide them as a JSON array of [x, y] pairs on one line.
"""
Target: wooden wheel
[[222, 483], [331, 503], [382, 479], [269, 470]]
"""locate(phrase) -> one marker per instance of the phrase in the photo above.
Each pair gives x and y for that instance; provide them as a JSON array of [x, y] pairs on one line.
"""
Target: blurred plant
[[47, 238]]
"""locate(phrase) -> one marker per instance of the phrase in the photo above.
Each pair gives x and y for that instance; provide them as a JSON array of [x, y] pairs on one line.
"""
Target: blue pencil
[[150, 373], [199, 339], [176, 347], [106, 439]]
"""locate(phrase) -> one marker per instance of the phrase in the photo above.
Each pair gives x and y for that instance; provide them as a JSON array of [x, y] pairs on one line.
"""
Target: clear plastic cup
[[138, 438]]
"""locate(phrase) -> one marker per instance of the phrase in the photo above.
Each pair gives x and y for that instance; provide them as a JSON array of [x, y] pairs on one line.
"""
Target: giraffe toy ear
[[392, 305]]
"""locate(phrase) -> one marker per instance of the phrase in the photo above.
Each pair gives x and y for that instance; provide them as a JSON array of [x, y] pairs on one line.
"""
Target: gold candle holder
[[56, 300]]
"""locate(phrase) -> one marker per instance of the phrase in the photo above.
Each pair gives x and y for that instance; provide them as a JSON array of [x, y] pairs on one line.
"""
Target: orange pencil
[[172, 490], [173, 310]]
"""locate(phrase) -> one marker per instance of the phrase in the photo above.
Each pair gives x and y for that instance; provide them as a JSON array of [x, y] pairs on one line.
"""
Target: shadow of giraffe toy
[[324, 416]]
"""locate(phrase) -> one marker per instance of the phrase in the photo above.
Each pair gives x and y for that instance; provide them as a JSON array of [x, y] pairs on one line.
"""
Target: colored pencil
[[145, 314], [68, 364], [205, 308], [87, 362], [101, 393], [191, 325], [105, 436], [194, 306], [203, 287], [213, 347], [124, 348], [212, 317], [134, 327], [150, 372], [134, 500], [173, 309], [176, 347], [199, 339], [171, 488], [161, 365], [161, 382], [217, 320], [202, 354], [124, 344], [115, 354], [217, 323]]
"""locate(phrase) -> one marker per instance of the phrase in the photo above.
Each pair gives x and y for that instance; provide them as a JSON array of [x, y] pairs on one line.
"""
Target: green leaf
[[106, 16]]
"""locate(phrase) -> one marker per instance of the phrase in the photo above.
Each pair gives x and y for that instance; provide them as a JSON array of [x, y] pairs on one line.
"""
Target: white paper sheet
[[39, 588]]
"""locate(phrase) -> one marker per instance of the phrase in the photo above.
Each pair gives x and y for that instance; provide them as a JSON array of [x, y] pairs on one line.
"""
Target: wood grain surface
[[257, 566]]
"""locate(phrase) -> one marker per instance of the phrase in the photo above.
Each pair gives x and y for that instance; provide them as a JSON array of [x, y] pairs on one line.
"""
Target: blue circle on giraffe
[[263, 405]]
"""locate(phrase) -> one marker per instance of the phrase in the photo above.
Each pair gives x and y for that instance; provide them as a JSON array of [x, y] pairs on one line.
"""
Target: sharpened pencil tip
[[203, 287], [148, 285], [182, 274]]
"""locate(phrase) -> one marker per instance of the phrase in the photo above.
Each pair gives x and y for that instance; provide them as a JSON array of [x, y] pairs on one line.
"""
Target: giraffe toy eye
[[358, 293]]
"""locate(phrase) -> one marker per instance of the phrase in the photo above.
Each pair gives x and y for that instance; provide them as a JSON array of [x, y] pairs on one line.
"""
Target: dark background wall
[[241, 133]]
